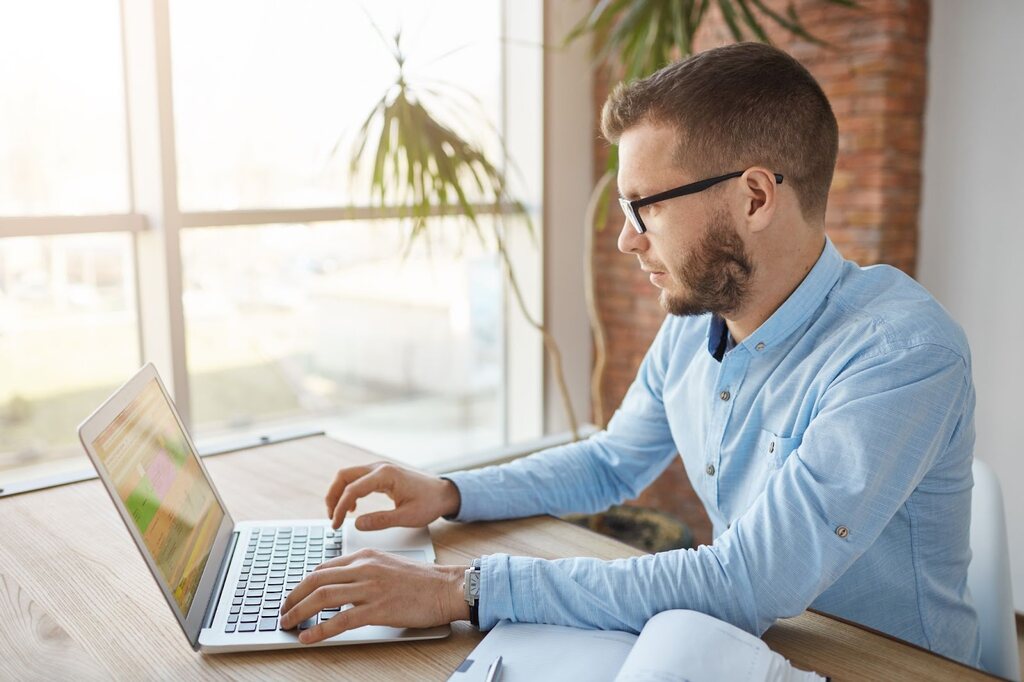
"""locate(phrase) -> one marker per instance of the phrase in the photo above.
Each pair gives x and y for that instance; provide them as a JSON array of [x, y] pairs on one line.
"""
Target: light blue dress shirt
[[832, 450]]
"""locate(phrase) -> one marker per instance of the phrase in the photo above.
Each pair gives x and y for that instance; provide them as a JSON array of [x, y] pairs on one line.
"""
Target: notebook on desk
[[224, 581], [535, 653]]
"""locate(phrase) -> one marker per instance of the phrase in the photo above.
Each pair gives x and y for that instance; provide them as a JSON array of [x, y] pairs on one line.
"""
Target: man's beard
[[715, 275]]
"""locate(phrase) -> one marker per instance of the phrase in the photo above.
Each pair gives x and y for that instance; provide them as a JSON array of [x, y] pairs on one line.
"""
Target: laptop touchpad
[[411, 543]]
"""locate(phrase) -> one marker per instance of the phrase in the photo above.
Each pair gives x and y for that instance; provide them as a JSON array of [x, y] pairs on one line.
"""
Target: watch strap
[[474, 608]]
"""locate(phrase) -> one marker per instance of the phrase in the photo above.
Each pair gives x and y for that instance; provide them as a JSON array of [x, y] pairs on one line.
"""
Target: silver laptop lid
[[150, 467]]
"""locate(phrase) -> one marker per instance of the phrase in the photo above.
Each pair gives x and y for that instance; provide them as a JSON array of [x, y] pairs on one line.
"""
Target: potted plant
[[428, 168]]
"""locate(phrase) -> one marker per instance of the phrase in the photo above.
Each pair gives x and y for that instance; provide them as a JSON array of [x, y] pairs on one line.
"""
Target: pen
[[494, 671]]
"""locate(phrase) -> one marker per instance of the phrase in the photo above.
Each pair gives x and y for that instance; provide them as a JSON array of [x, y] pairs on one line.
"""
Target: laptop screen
[[158, 477]]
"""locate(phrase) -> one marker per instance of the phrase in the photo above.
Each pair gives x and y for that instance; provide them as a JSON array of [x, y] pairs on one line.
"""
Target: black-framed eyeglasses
[[632, 208]]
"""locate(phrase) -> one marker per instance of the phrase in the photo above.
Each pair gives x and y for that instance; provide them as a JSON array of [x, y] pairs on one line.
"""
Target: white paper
[[535, 653], [686, 646], [674, 646]]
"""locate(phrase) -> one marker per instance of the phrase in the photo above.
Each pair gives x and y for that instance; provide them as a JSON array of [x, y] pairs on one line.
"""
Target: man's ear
[[760, 198]]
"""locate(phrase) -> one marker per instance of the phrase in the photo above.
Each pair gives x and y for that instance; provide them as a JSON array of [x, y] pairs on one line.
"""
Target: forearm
[[611, 595], [587, 476]]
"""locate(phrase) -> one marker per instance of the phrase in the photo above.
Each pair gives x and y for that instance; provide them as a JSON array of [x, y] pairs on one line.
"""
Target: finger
[[319, 599], [336, 562], [346, 499], [347, 559], [325, 597], [343, 478], [379, 520], [316, 579], [377, 480], [352, 618]]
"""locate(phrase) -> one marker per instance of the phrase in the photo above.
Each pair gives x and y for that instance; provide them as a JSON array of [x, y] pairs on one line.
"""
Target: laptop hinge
[[211, 608]]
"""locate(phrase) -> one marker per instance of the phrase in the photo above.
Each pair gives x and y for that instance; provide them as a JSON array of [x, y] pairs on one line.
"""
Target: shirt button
[[759, 346], [771, 447], [710, 470], [725, 395], [842, 531]]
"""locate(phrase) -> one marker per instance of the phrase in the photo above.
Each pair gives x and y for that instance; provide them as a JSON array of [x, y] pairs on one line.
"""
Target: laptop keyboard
[[276, 560]]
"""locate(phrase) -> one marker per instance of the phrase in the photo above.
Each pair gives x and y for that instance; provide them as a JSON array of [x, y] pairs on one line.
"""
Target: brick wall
[[873, 72]]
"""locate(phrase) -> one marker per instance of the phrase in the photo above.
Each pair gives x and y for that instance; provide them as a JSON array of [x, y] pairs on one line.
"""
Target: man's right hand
[[419, 498]]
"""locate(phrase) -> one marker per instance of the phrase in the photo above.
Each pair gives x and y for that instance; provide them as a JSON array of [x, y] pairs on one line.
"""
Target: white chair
[[988, 576]]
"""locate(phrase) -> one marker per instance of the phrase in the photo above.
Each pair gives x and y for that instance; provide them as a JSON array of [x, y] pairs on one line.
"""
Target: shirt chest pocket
[[775, 448]]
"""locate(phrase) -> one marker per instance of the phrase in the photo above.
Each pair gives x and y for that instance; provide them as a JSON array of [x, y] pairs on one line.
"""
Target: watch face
[[472, 585]]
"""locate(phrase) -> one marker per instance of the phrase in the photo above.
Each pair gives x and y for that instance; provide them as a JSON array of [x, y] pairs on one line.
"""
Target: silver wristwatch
[[471, 591], [471, 586]]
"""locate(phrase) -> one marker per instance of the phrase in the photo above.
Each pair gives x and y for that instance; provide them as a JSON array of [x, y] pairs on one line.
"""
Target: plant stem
[[597, 195]]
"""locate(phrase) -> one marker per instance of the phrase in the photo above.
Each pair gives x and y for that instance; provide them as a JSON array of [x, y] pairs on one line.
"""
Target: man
[[824, 412]]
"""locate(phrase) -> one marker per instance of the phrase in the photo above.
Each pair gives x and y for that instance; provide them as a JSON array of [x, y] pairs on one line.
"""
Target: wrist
[[452, 499], [458, 609]]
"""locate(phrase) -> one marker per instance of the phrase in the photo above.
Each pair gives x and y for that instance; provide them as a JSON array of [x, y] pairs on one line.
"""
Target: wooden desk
[[76, 599]]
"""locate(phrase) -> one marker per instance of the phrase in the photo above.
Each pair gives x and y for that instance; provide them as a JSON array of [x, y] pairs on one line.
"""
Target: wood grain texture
[[77, 601]]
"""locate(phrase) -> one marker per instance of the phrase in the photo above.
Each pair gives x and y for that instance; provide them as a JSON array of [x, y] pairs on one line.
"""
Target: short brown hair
[[734, 107]]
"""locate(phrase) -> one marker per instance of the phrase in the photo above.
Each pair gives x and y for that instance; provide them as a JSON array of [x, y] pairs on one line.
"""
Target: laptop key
[[250, 617], [230, 627], [251, 609], [308, 623], [268, 624], [247, 627], [233, 618]]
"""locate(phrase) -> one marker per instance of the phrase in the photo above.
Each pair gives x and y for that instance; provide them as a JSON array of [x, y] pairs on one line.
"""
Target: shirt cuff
[[497, 583]]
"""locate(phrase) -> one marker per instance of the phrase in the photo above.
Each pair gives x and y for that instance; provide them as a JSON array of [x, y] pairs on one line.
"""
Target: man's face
[[691, 247]]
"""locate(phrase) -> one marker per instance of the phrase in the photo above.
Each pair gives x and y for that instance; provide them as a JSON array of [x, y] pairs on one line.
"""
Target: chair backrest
[[988, 576]]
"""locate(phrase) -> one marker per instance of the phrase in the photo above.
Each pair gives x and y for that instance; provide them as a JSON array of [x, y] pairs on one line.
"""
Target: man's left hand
[[384, 589]]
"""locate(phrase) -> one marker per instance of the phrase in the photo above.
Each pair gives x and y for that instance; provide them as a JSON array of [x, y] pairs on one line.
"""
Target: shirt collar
[[793, 311]]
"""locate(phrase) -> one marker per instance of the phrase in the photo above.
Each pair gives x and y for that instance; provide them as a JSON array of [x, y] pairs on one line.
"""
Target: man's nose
[[631, 241]]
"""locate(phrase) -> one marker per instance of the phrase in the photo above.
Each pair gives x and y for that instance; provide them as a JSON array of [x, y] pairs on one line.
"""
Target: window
[[261, 281], [67, 339], [264, 91], [330, 324], [62, 146]]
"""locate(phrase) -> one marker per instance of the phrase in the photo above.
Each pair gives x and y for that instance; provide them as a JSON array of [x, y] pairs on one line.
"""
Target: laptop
[[224, 581]]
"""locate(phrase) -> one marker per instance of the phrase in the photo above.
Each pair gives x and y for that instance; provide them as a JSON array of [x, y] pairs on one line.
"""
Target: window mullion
[[147, 62]]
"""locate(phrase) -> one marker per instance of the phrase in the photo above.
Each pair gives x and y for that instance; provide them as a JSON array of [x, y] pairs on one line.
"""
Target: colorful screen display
[[158, 477]]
